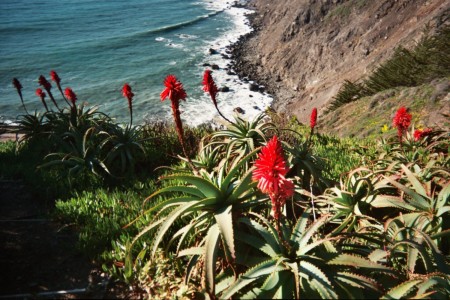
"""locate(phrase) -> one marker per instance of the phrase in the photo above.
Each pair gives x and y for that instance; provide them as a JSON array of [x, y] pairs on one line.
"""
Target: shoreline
[[236, 64], [247, 65]]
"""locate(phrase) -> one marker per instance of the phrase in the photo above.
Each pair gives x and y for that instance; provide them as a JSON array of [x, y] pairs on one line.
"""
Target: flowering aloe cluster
[[254, 216]]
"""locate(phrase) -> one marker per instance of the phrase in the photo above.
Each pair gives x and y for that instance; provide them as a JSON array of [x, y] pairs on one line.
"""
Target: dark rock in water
[[256, 107], [251, 96], [224, 89], [206, 65], [212, 51], [239, 110], [231, 73], [215, 67], [253, 87], [225, 56]]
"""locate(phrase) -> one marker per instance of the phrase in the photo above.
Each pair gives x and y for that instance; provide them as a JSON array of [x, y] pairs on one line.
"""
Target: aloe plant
[[209, 204], [123, 145], [81, 155], [304, 265], [242, 137]]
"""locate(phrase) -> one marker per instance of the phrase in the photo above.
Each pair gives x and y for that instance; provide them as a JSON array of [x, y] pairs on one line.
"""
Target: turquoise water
[[97, 46]]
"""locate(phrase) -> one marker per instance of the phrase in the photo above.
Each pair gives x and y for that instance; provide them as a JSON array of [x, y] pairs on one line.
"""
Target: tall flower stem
[[128, 94], [18, 86], [210, 87], [47, 86], [54, 77], [312, 124], [41, 95], [401, 121], [270, 171], [175, 92]]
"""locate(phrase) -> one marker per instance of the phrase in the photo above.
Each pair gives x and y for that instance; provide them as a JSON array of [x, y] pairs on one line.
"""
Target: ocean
[[96, 46]]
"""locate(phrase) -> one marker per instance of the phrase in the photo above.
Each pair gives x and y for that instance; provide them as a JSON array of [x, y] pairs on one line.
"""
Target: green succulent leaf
[[402, 290], [211, 248], [317, 279], [253, 274], [224, 220], [359, 262]]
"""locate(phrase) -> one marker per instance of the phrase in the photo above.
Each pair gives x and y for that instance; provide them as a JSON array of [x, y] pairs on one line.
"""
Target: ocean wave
[[118, 42], [169, 28]]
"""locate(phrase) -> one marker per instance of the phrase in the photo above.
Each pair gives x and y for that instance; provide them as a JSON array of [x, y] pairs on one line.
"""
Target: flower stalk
[[312, 123], [175, 92], [128, 94], [54, 77], [210, 87], [18, 86], [270, 171], [40, 93], [401, 121], [47, 86]]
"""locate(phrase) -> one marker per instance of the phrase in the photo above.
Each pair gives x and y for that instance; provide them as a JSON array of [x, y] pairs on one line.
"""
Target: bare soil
[[39, 257]]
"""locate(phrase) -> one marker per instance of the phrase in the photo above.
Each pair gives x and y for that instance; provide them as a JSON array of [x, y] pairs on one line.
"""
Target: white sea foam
[[239, 95], [187, 36]]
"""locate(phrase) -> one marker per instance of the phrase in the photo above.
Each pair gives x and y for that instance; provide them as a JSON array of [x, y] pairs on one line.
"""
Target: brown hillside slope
[[305, 49]]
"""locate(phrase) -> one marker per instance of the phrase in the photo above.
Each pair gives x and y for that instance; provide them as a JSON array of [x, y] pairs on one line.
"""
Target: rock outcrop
[[303, 50]]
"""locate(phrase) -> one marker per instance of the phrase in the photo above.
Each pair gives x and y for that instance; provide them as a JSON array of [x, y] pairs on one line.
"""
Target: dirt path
[[38, 255]]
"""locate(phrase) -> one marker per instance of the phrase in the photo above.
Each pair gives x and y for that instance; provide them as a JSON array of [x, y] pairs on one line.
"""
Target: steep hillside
[[303, 50]]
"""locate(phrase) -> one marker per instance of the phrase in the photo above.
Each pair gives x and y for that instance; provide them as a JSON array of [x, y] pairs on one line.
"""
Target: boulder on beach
[[212, 51], [239, 110]]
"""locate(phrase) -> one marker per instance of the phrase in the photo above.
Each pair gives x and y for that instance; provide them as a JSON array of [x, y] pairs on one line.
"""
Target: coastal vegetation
[[262, 208], [429, 60]]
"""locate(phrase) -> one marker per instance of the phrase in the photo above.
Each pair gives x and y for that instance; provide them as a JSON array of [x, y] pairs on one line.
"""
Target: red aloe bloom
[[17, 85], [47, 86], [54, 77], [209, 86], [419, 133], [128, 94], [40, 93], [313, 120], [70, 95], [42, 81], [401, 121], [270, 169], [174, 90]]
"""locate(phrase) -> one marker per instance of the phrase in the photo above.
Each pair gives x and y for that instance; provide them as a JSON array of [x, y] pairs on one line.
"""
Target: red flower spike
[[401, 121], [420, 134], [17, 85], [42, 95], [174, 89], [313, 120], [54, 77], [270, 169], [209, 86], [43, 82], [70, 95], [127, 93]]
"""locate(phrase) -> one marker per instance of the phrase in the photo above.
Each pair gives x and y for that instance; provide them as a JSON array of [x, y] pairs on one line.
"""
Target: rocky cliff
[[303, 50]]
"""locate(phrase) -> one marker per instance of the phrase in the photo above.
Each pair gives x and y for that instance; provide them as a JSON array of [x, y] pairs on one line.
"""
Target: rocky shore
[[303, 50]]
